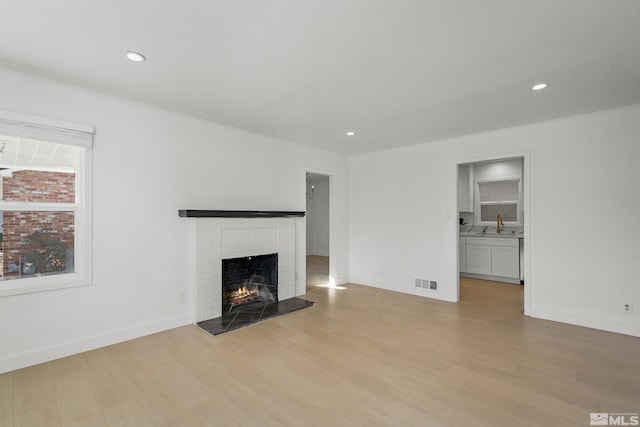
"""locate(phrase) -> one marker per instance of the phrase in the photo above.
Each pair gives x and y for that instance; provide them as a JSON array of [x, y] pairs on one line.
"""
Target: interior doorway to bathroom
[[317, 228]]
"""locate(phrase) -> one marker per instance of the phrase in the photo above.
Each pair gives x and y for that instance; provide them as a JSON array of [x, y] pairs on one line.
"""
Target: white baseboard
[[318, 253], [402, 287], [587, 321], [592, 322], [46, 354], [341, 281]]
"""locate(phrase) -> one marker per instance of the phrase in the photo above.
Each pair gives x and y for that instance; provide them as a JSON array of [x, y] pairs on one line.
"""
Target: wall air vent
[[426, 284]]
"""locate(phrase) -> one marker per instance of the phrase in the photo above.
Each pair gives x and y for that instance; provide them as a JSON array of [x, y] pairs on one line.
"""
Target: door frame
[[527, 217], [333, 222]]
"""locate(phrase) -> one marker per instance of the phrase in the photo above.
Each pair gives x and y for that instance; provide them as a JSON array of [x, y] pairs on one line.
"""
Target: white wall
[[583, 218], [318, 218], [309, 220], [148, 163], [511, 168]]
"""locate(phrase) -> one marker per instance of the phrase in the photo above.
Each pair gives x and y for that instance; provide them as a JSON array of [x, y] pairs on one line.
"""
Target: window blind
[[23, 126]]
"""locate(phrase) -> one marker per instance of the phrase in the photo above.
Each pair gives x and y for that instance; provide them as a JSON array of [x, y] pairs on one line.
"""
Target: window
[[44, 205], [495, 197]]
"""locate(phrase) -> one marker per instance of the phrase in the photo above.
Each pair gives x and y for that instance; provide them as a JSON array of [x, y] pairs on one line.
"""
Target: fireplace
[[219, 238], [248, 282]]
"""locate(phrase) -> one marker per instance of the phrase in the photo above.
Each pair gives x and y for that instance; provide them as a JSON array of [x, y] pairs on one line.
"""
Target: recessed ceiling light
[[539, 86], [135, 56], [351, 133]]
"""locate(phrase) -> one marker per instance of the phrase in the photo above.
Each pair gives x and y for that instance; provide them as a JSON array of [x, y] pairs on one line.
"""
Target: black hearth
[[248, 282]]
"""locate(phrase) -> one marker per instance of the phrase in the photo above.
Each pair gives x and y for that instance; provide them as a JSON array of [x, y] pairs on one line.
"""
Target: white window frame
[[478, 204], [20, 125]]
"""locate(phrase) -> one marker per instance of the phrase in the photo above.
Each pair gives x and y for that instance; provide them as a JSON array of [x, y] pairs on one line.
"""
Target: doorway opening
[[318, 223], [491, 228]]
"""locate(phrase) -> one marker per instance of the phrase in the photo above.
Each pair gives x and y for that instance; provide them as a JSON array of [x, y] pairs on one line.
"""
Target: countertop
[[507, 232]]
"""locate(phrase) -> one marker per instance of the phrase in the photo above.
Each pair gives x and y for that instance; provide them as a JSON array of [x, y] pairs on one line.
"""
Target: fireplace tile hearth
[[253, 314]]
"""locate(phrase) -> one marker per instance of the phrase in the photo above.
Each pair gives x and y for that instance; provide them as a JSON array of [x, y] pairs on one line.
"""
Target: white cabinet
[[505, 261], [462, 254], [479, 259], [497, 256], [465, 193]]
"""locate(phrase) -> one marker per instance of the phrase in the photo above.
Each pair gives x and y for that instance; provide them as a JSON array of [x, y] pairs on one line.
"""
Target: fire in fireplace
[[249, 281]]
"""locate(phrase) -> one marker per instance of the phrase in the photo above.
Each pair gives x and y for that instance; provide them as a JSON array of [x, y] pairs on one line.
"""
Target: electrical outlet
[[183, 297], [628, 308], [381, 273]]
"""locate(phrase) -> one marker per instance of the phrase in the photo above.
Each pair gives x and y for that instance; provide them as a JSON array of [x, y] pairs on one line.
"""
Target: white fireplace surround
[[221, 238]]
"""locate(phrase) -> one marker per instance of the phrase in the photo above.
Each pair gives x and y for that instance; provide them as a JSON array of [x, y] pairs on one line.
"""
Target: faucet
[[500, 224]]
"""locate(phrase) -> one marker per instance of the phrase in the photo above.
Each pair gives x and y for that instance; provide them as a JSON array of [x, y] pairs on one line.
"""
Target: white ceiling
[[25, 153], [397, 72]]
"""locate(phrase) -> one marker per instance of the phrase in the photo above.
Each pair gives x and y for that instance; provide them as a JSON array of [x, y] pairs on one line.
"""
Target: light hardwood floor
[[360, 356]]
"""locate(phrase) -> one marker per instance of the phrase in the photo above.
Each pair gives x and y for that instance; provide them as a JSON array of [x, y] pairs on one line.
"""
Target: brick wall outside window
[[19, 226]]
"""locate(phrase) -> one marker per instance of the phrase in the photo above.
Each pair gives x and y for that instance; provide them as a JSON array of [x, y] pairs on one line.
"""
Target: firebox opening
[[249, 281]]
